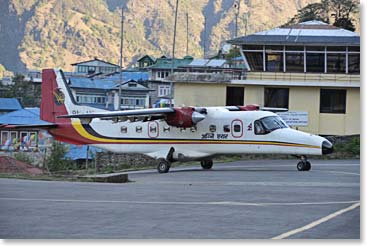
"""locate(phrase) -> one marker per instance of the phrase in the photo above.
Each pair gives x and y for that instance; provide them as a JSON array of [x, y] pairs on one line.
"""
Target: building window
[[252, 47], [294, 62], [132, 102], [274, 61], [276, 97], [82, 69], [333, 101], [336, 63], [163, 90], [91, 69], [255, 60], [315, 62], [235, 96], [93, 99], [354, 63]]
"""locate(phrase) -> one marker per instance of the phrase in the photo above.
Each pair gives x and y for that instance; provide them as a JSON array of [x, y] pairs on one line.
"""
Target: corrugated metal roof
[[104, 84], [198, 62], [127, 76], [9, 104], [306, 33], [216, 63], [88, 83], [27, 116], [78, 152], [166, 63]]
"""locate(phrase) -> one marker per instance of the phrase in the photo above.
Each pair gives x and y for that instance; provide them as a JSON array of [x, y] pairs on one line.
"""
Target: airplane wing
[[133, 112], [179, 117]]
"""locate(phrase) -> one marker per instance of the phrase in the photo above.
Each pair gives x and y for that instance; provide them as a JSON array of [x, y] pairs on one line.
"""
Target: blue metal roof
[[27, 116], [77, 152], [127, 76], [88, 83], [9, 104], [107, 83]]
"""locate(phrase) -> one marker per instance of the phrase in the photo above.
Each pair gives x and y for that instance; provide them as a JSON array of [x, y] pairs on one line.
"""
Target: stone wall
[[104, 159]]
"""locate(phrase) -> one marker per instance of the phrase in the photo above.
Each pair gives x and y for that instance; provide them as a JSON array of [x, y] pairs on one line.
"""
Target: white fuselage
[[221, 132]]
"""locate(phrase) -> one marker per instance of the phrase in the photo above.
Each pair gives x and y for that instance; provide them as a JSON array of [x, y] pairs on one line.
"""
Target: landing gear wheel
[[163, 166], [307, 166], [304, 166], [301, 166], [208, 164]]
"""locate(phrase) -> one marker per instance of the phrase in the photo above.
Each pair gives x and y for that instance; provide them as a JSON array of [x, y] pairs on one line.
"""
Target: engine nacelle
[[184, 117]]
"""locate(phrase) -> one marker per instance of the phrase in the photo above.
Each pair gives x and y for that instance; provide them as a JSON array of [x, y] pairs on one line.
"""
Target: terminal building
[[311, 68]]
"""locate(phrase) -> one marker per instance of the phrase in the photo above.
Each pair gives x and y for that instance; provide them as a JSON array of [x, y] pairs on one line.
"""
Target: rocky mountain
[[35, 34]]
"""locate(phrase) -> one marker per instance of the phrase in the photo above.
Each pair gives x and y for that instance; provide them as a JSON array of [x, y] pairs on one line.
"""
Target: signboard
[[294, 118]]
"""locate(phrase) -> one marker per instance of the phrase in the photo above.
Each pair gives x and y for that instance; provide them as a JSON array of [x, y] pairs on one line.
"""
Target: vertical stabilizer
[[57, 98]]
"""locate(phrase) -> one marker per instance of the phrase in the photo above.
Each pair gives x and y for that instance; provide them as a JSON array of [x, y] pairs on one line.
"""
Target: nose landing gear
[[207, 164], [304, 165]]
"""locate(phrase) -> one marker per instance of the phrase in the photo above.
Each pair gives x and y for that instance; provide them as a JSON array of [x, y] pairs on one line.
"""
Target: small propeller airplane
[[174, 134]]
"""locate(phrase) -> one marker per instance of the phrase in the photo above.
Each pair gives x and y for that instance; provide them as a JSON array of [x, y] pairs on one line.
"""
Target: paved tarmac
[[260, 199]]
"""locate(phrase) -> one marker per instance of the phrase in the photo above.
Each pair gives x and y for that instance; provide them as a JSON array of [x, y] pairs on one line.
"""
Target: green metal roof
[[166, 63]]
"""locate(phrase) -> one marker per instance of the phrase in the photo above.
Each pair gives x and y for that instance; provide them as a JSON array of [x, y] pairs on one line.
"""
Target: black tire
[[208, 164], [301, 166], [307, 166], [163, 166]]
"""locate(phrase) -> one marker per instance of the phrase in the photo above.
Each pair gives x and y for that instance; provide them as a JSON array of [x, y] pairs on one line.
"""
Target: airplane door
[[153, 129], [237, 128]]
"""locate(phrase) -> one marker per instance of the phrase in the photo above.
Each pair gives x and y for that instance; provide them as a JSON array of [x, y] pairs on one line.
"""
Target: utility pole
[[187, 33], [120, 69], [173, 54], [204, 37]]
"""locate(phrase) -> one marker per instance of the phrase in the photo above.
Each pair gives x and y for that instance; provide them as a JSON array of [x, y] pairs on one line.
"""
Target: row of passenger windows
[[212, 128]]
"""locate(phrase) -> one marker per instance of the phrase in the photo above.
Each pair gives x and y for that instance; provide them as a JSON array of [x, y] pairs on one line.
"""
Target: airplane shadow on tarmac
[[234, 170]]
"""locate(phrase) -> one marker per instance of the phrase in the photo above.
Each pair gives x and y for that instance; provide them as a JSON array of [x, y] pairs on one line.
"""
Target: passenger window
[[123, 129], [237, 128], [139, 129], [153, 129], [226, 128], [212, 128]]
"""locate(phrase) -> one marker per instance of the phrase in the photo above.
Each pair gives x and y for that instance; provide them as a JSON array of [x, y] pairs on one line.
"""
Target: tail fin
[[57, 98]]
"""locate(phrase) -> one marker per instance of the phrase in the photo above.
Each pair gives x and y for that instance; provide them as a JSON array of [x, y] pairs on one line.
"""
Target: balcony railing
[[322, 77]]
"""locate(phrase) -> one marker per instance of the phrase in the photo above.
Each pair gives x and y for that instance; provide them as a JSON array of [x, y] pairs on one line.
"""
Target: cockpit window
[[269, 124]]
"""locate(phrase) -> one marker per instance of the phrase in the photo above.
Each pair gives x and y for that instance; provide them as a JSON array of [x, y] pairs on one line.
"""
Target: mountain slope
[[56, 33]]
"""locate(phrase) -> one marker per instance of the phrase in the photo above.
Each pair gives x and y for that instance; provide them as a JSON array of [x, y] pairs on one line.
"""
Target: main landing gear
[[304, 165], [163, 166], [207, 164]]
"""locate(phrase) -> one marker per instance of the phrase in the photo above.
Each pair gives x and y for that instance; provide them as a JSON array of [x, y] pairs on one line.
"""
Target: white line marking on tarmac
[[232, 203], [349, 173], [317, 222]]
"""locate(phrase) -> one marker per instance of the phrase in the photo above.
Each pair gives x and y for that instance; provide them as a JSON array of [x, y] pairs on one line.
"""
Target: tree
[[27, 92], [56, 160], [337, 12]]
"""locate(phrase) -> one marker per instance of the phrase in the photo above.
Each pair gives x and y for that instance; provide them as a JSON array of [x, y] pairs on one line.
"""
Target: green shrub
[[20, 156], [56, 160]]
